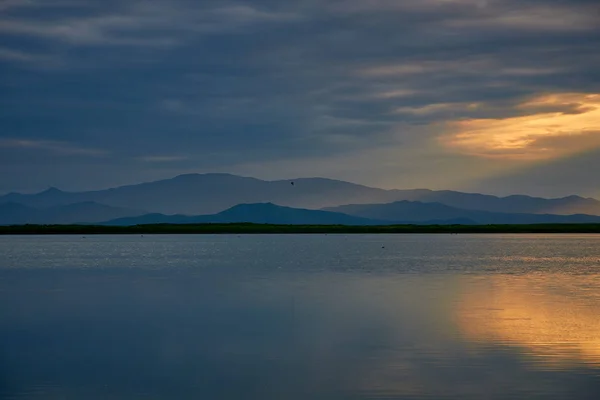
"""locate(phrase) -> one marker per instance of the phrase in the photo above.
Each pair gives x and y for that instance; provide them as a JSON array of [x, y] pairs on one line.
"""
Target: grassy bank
[[282, 229]]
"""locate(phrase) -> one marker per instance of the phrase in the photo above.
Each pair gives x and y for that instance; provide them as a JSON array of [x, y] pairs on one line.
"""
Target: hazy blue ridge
[[413, 211], [208, 194], [260, 213], [85, 212]]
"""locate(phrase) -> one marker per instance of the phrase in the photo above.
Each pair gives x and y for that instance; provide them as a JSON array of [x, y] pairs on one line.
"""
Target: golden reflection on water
[[555, 318]]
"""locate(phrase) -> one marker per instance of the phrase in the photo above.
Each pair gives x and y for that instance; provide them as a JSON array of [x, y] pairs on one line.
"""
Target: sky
[[496, 96]]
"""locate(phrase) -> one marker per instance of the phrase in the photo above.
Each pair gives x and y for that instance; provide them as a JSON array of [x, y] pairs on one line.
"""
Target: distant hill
[[85, 212], [401, 212], [509, 204], [15, 213], [151, 219], [48, 198], [195, 194], [201, 194], [414, 211], [261, 213]]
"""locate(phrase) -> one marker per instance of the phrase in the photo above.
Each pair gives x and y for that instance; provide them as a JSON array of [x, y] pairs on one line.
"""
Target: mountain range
[[85, 212], [416, 212], [260, 213], [198, 198]]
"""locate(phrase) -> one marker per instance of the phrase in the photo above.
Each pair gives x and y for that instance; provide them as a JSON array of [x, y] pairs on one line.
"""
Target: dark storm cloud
[[186, 85]]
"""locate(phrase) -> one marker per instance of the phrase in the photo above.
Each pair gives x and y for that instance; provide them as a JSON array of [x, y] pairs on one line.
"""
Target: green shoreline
[[247, 228]]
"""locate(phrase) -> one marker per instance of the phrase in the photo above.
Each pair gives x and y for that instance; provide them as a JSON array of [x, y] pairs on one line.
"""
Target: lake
[[300, 317]]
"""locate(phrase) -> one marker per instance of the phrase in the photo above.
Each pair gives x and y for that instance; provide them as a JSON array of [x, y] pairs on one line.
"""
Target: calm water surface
[[300, 317]]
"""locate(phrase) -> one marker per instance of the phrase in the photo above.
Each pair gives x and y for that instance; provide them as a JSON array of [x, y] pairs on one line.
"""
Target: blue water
[[300, 317]]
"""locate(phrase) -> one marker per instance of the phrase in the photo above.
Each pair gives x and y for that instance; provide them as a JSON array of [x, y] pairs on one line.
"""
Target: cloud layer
[[428, 93], [554, 126]]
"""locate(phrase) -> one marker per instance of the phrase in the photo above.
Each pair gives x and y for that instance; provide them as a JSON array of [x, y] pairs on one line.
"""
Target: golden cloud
[[554, 318], [555, 125]]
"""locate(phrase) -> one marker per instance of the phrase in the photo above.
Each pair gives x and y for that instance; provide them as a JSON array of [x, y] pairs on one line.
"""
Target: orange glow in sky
[[554, 125]]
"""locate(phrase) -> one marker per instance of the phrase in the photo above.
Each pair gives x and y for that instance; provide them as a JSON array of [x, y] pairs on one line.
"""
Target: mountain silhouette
[[414, 211], [509, 204], [85, 212], [402, 212], [203, 194], [260, 213]]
